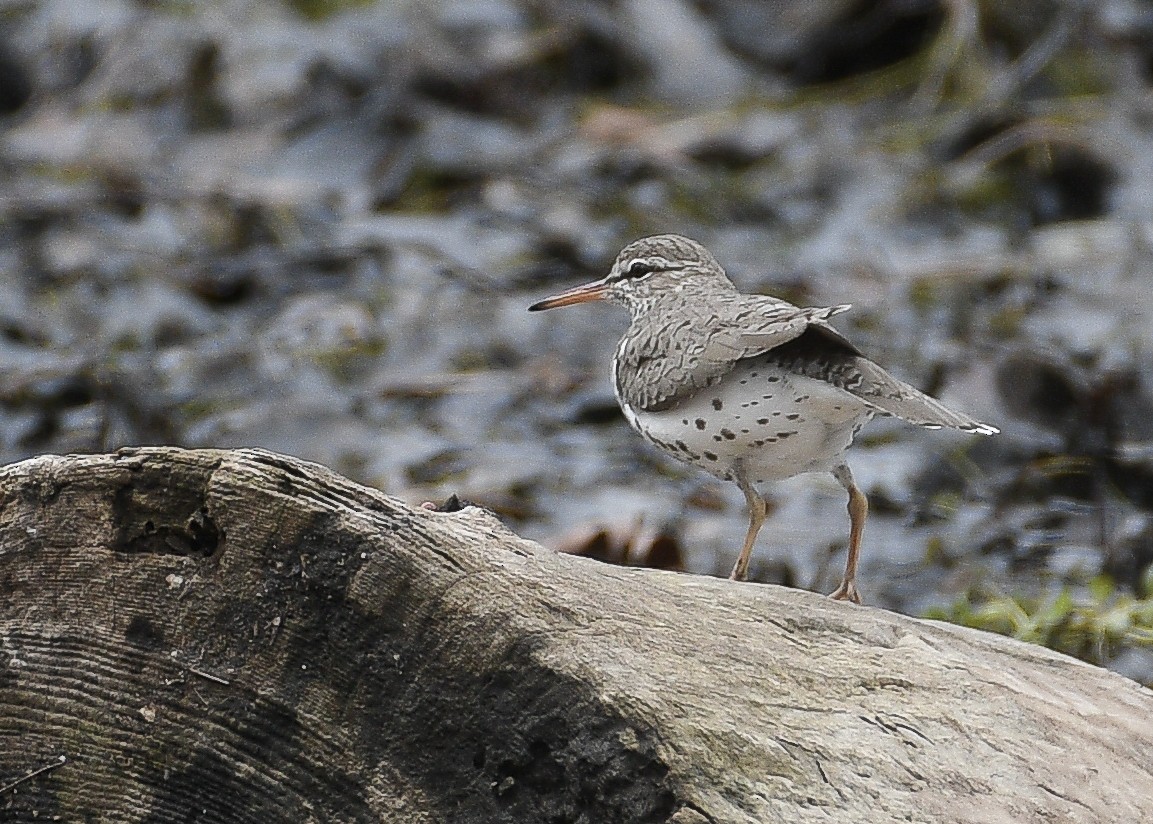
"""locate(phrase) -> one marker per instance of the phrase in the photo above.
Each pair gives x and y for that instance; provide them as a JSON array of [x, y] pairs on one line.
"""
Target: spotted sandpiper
[[749, 388]]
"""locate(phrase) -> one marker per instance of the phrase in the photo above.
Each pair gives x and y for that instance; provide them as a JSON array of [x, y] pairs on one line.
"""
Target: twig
[[209, 676], [1006, 86], [1033, 132], [60, 761], [962, 24], [1036, 57]]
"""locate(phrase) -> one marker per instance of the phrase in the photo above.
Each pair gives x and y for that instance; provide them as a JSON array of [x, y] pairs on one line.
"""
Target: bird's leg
[[858, 512], [756, 518]]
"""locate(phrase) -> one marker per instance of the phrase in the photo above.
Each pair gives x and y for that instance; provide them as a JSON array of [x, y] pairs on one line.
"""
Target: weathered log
[[236, 636]]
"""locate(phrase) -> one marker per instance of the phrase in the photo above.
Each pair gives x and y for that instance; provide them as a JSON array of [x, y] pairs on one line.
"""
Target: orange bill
[[580, 294]]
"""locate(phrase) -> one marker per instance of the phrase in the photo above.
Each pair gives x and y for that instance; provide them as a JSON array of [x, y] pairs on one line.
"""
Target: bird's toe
[[847, 591]]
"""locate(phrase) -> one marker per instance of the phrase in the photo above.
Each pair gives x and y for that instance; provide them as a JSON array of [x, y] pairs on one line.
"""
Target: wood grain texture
[[236, 636]]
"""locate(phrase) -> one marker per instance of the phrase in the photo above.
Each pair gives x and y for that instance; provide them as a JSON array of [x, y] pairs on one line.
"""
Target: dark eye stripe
[[640, 268]]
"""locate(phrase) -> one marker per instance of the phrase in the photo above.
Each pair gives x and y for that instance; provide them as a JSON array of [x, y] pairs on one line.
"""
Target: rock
[[247, 635]]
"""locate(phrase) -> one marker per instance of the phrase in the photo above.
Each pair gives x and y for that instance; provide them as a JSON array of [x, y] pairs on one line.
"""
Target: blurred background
[[314, 226]]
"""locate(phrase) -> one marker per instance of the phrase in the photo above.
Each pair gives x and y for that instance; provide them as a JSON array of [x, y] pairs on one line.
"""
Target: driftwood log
[[236, 636]]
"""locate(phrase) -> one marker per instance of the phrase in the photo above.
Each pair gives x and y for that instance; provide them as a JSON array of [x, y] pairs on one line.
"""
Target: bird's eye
[[640, 268]]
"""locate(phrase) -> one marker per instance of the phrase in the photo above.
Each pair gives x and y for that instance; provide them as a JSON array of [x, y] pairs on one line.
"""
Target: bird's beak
[[580, 294]]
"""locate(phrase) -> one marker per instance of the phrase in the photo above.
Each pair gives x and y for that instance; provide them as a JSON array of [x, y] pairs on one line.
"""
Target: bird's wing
[[872, 384], [673, 360], [821, 353], [763, 329]]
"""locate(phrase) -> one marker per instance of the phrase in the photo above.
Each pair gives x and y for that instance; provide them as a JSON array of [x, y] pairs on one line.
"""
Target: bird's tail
[[908, 403]]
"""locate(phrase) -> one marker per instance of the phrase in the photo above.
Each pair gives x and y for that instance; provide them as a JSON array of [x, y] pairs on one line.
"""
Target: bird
[[750, 388]]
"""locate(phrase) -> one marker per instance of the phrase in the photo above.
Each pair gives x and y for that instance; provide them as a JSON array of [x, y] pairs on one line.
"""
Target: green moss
[[1094, 626], [924, 294], [873, 440], [989, 190], [124, 343], [175, 8], [471, 360], [945, 504], [936, 554], [429, 191], [1080, 72], [349, 362], [1006, 323], [198, 408], [321, 9], [861, 88]]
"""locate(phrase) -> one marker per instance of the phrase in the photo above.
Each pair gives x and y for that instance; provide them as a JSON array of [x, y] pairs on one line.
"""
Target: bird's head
[[649, 271]]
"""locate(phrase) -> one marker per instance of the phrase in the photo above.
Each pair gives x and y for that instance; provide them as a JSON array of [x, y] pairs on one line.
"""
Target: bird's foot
[[847, 591]]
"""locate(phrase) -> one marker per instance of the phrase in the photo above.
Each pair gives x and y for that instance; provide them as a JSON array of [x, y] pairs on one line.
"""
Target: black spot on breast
[[744, 432], [793, 416], [717, 405], [700, 422], [762, 421], [682, 446], [753, 375], [773, 379], [717, 438], [685, 421], [728, 434], [783, 435], [801, 398], [710, 456], [743, 383]]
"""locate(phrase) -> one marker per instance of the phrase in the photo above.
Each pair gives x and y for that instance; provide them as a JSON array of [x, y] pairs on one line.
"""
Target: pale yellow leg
[[858, 512]]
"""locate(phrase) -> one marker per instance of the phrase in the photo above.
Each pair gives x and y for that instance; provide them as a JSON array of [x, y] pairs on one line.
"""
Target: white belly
[[775, 423]]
